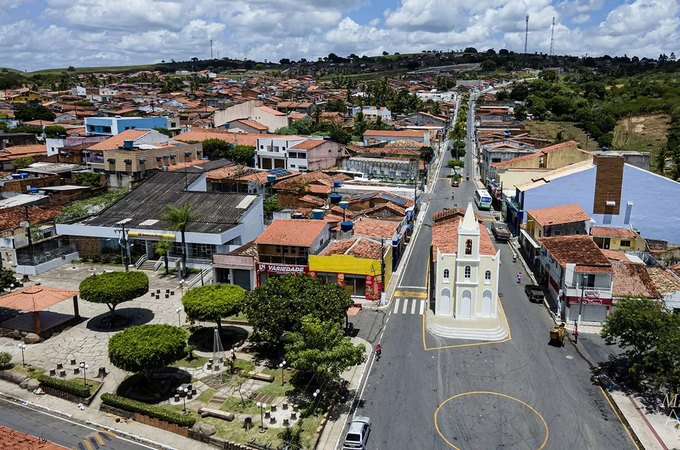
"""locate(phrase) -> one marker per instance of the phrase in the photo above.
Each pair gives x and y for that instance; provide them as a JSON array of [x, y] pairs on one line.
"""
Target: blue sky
[[58, 33]]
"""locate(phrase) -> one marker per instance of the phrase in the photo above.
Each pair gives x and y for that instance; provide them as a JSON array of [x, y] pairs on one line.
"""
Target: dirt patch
[[642, 133]]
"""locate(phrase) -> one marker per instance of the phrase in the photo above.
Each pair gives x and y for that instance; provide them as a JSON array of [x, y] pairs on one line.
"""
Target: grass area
[[275, 387], [642, 133], [92, 205], [549, 130], [205, 396], [111, 69], [234, 430], [29, 371], [193, 363]]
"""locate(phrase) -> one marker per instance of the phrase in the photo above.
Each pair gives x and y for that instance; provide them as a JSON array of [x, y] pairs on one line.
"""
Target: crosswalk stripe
[[422, 307], [396, 306], [414, 304], [403, 310]]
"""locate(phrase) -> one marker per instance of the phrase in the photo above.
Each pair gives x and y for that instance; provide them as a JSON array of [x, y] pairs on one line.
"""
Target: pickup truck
[[501, 231], [535, 293]]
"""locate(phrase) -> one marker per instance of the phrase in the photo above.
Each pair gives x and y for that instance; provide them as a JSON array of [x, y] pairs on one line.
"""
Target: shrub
[[147, 347], [75, 387], [128, 404], [113, 288], [5, 360]]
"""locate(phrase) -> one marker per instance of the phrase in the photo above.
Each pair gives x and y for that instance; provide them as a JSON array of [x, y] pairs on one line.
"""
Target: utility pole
[[526, 34], [211, 49], [552, 37], [27, 227]]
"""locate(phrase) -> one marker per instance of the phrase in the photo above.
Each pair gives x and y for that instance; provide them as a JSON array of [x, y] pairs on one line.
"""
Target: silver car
[[358, 431]]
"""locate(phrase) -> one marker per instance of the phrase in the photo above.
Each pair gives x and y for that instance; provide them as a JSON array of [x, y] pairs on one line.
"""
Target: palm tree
[[178, 219], [162, 249]]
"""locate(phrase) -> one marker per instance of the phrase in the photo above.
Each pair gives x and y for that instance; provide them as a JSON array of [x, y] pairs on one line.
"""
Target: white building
[[297, 153], [465, 268], [252, 110]]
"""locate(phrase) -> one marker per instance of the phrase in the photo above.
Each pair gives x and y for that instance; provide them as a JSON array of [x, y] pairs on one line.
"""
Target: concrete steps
[[482, 329], [149, 264]]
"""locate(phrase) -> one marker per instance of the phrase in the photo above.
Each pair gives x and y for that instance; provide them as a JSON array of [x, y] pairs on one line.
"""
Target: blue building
[[111, 126], [611, 192]]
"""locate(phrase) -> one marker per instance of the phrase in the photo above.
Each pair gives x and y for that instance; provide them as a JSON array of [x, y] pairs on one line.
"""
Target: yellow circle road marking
[[463, 394]]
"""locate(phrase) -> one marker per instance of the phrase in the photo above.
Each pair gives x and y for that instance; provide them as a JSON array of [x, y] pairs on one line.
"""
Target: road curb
[[25, 402], [130, 436]]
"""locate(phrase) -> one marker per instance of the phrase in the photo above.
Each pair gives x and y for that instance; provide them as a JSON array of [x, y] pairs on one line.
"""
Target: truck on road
[[501, 231]]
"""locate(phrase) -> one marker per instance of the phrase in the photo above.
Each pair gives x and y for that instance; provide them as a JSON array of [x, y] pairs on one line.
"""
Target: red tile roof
[[556, 215], [632, 280], [307, 144], [10, 218], [579, 250], [19, 151], [201, 135], [541, 152], [117, 141], [375, 228], [294, 232], [16, 440], [617, 232], [445, 234], [358, 247], [395, 133]]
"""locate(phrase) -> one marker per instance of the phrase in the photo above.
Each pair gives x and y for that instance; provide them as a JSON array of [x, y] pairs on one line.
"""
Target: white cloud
[[58, 33]]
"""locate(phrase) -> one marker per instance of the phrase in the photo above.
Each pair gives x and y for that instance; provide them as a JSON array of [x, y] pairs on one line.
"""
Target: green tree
[[637, 325], [54, 131], [90, 179], [242, 154], [162, 249], [427, 154], [213, 302], [321, 348], [145, 348], [520, 112], [22, 163], [7, 279], [280, 303], [114, 288], [216, 148], [28, 112], [177, 219]]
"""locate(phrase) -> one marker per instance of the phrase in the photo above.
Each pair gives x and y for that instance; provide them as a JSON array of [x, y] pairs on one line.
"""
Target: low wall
[[46, 266], [146, 420]]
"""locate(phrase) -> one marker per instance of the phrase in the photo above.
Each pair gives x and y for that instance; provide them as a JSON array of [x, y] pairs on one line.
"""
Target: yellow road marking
[[630, 436], [471, 344], [99, 439], [436, 412], [413, 294], [87, 444]]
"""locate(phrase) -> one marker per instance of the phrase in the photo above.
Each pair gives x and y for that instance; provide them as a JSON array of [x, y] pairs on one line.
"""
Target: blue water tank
[[344, 205], [335, 198], [337, 183], [33, 190], [317, 214], [296, 215], [24, 175], [16, 176], [346, 226], [271, 178]]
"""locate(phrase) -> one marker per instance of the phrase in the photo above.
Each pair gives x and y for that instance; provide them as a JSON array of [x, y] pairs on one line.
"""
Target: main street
[[60, 430], [433, 393]]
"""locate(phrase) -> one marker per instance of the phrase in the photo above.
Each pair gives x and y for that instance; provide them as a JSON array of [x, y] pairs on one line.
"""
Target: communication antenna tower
[[552, 37], [526, 34]]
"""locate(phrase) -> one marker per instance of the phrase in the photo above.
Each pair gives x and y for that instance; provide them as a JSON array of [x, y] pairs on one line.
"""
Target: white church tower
[[467, 266]]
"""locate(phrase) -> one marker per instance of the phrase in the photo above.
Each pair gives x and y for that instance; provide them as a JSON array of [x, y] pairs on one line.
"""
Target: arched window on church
[[487, 275], [468, 272], [446, 274], [468, 247]]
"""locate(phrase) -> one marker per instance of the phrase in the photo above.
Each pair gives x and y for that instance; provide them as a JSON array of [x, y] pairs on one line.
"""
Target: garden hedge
[[75, 387], [131, 405]]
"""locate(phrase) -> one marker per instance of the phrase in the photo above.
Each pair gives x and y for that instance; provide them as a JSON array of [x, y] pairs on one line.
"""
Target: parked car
[[455, 183], [358, 431], [501, 231], [534, 292]]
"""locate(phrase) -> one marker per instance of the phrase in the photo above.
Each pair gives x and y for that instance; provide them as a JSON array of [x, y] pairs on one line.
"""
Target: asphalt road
[[433, 393], [58, 430]]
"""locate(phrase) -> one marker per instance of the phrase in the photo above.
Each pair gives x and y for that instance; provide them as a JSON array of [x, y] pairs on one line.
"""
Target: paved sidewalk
[[91, 415], [652, 428], [339, 417]]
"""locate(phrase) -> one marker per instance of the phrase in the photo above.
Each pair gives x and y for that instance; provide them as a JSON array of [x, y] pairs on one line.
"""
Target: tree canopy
[[145, 348], [321, 348], [650, 337], [280, 303], [114, 288], [213, 302]]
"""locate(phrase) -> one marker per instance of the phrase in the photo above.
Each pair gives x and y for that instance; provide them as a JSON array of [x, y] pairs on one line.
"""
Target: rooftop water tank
[[271, 178], [296, 215], [337, 183], [317, 214], [346, 226], [335, 198], [344, 205], [128, 144]]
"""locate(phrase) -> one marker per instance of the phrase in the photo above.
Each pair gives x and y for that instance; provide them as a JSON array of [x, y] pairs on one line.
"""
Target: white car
[[358, 431]]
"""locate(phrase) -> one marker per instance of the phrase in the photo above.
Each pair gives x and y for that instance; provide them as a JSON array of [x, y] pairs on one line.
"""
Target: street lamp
[[262, 407], [23, 360], [181, 287], [179, 322], [584, 279], [84, 368], [282, 365], [182, 391]]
